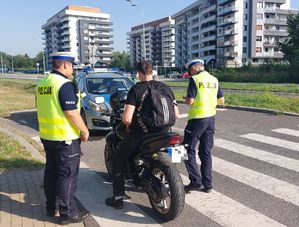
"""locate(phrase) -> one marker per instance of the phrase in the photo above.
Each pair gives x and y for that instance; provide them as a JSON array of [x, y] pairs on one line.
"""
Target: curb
[[89, 221], [252, 109], [34, 152]]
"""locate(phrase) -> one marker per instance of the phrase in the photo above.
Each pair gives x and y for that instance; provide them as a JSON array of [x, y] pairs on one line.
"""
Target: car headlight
[[101, 107]]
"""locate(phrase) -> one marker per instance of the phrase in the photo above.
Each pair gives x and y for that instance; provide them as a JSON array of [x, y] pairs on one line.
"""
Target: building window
[[259, 38], [245, 5], [259, 27], [245, 16], [244, 39], [259, 16], [266, 49], [258, 49], [259, 5], [245, 28], [244, 50]]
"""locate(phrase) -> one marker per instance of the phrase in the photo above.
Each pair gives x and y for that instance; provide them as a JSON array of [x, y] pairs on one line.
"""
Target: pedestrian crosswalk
[[272, 141], [276, 202], [259, 154]]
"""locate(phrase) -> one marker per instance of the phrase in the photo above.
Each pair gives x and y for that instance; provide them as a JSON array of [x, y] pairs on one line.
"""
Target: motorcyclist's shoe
[[115, 203], [207, 189]]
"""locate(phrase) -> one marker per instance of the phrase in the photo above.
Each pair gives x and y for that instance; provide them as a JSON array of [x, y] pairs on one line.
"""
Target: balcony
[[270, 44], [270, 10], [227, 43], [208, 9], [228, 54], [208, 38], [227, 22], [207, 29], [275, 21], [207, 48], [272, 32], [226, 11], [208, 19], [272, 55], [224, 2], [229, 32]]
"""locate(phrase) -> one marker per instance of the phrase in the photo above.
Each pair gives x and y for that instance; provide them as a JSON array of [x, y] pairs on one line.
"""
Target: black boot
[[64, 220], [115, 203]]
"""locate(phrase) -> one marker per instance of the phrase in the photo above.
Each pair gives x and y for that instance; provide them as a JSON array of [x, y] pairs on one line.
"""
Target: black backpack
[[156, 110]]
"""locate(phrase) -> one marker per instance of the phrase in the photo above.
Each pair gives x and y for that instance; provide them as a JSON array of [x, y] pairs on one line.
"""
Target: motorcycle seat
[[152, 137]]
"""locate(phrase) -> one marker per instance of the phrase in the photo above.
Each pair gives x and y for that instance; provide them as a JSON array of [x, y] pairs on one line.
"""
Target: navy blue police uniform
[[63, 160], [200, 130]]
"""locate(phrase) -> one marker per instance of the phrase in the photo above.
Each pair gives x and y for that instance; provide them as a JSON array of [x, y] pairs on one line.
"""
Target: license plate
[[177, 154]]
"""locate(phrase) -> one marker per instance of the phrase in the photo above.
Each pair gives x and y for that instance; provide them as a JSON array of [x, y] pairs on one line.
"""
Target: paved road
[[255, 176]]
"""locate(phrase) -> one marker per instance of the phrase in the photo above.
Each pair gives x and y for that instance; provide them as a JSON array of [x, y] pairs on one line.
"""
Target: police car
[[96, 89]]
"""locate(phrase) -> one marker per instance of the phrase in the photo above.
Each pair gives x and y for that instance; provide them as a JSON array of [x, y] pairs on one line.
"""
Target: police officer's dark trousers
[[61, 173], [120, 162], [202, 131]]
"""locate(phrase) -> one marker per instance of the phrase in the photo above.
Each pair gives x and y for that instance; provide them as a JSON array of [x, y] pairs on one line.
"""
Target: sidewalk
[[22, 200]]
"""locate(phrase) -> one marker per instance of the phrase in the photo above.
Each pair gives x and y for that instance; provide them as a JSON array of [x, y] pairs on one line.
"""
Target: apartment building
[[268, 27], [153, 41], [84, 31], [231, 32], [195, 32]]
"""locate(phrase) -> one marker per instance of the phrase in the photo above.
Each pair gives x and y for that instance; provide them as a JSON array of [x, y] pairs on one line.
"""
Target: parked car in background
[[173, 74], [96, 89], [184, 75]]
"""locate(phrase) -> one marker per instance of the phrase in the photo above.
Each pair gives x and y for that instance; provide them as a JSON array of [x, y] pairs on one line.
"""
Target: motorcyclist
[[130, 143]]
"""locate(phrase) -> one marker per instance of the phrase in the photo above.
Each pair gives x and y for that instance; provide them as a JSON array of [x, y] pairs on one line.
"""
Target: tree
[[290, 47], [23, 61], [121, 60], [38, 58]]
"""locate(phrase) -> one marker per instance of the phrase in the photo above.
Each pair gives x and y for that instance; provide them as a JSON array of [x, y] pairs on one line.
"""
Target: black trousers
[[61, 174], [202, 131], [120, 162]]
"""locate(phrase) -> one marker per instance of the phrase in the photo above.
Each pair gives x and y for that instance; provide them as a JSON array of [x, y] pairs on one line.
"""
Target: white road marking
[[274, 159], [287, 131], [272, 141], [221, 109], [226, 211], [92, 193], [267, 184]]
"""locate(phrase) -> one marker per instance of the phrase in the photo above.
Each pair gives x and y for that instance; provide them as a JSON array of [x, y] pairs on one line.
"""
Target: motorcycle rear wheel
[[172, 206]]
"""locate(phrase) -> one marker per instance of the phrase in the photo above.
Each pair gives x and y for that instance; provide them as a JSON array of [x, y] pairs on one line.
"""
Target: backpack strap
[[138, 114]]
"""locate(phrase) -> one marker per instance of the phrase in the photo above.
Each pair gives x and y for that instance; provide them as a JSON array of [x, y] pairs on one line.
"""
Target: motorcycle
[[159, 178]]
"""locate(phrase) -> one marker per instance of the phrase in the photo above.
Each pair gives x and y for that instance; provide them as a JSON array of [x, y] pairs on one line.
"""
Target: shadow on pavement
[[25, 118]]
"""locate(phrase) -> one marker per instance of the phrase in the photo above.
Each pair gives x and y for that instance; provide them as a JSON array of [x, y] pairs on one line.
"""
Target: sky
[[21, 21]]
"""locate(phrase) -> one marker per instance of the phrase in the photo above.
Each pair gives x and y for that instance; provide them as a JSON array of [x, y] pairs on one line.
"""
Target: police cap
[[194, 62], [63, 56]]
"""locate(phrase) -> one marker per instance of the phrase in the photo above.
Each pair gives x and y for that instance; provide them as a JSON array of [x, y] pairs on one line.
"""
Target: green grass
[[14, 155], [292, 88], [264, 100], [16, 95]]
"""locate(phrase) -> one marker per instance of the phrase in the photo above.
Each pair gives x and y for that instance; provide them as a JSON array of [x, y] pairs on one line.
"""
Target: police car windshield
[[107, 85]]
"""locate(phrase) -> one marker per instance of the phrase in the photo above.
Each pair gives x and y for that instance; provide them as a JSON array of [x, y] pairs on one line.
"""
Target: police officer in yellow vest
[[203, 94], [61, 130]]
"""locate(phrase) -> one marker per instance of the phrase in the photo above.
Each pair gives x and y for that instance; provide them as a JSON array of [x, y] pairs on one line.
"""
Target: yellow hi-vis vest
[[53, 124], [205, 102]]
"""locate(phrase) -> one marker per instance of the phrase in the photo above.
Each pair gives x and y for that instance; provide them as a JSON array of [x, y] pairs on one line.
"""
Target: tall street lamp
[[134, 3], [1, 63]]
